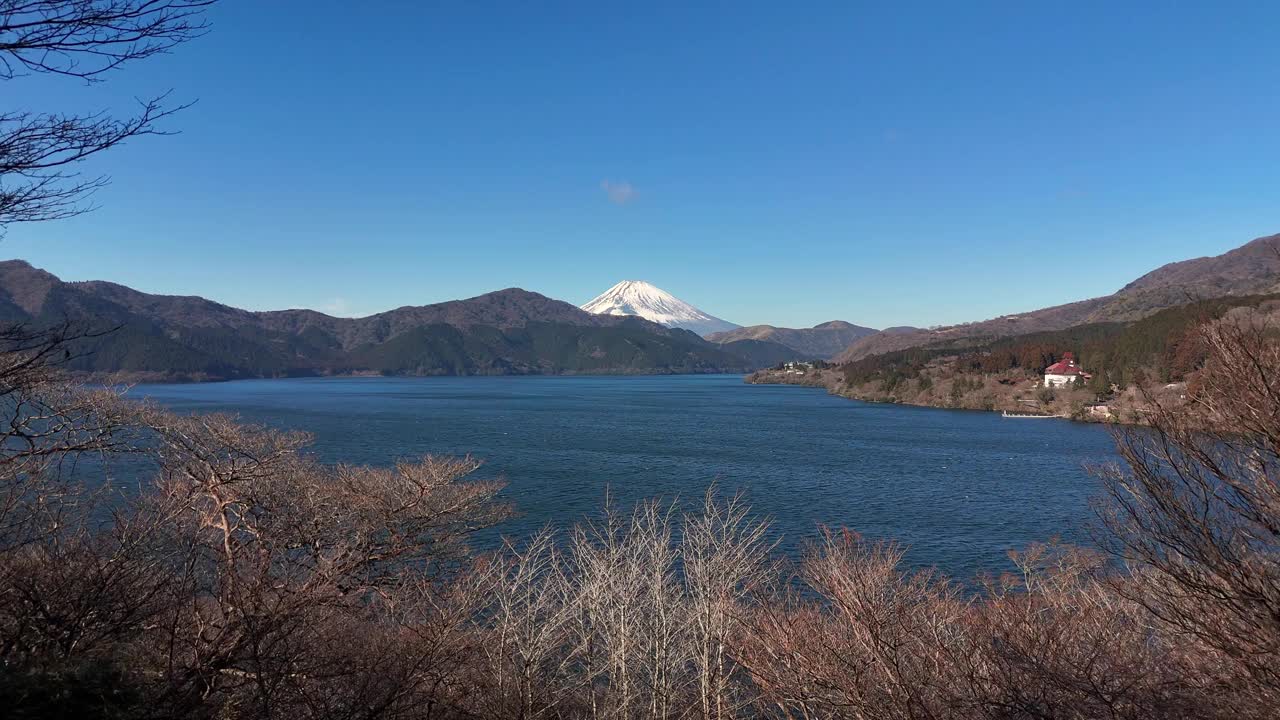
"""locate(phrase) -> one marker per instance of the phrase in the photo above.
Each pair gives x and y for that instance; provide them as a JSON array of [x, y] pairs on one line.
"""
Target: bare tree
[[238, 576], [522, 657], [625, 599], [83, 39], [296, 576], [626, 622], [1197, 507], [725, 555], [47, 426]]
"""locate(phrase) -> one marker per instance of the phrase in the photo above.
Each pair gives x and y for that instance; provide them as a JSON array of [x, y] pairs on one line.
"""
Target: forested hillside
[[1004, 373], [511, 331], [824, 340]]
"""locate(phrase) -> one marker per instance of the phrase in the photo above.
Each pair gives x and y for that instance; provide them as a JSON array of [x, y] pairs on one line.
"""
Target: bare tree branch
[[87, 38], [83, 39]]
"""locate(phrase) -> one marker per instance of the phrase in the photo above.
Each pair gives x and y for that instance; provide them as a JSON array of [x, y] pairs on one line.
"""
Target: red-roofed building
[[1064, 372]]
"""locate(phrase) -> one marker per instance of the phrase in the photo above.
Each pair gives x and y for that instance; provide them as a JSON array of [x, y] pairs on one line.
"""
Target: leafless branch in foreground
[[87, 38], [84, 39]]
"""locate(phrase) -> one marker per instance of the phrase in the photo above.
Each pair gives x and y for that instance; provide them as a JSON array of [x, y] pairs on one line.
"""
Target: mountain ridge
[[1252, 268], [823, 341], [510, 331]]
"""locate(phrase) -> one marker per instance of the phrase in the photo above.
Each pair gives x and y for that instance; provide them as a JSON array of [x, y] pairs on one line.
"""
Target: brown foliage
[[859, 638], [1197, 508], [244, 579]]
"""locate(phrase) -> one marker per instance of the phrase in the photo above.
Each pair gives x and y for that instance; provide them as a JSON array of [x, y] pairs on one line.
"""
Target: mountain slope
[[763, 353], [1253, 268], [510, 331], [636, 297], [1053, 318], [820, 341]]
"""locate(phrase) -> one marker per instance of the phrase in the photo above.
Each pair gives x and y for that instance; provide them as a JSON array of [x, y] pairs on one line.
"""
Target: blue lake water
[[961, 489]]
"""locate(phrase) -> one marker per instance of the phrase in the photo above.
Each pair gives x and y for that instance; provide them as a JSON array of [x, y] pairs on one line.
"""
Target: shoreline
[[831, 381], [161, 378]]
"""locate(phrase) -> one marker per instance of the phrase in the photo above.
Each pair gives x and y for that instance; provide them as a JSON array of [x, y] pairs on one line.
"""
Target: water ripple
[[960, 488]]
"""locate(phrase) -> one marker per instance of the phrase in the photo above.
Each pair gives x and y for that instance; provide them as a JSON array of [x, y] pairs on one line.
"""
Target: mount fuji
[[636, 297]]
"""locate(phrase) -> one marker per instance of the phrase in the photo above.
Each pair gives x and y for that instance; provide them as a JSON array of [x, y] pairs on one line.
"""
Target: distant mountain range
[[639, 298], [1253, 268], [510, 331], [820, 341], [632, 328]]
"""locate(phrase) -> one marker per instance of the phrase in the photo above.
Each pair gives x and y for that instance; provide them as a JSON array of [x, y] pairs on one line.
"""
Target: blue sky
[[784, 163]]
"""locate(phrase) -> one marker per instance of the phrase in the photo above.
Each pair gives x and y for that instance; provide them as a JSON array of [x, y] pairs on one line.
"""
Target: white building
[[1064, 372], [797, 368]]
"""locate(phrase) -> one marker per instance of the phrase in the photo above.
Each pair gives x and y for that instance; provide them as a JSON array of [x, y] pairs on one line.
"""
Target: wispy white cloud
[[338, 307], [619, 192]]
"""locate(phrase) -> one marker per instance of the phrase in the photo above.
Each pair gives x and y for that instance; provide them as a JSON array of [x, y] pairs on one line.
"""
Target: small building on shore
[[1064, 372], [1099, 411], [796, 367]]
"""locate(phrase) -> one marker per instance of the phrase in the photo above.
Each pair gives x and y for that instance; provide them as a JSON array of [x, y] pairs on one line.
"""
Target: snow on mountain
[[636, 297]]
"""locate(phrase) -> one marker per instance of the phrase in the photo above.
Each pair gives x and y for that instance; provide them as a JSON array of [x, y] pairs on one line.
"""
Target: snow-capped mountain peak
[[637, 297]]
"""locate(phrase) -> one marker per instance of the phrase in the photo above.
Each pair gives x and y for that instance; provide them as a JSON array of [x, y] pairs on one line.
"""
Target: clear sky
[[773, 162]]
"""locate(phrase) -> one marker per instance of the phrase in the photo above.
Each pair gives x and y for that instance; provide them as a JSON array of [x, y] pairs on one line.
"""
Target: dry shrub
[[243, 580], [1058, 641], [301, 584], [855, 635]]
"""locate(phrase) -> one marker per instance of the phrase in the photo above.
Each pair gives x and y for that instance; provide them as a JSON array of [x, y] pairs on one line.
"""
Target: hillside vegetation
[[1005, 373], [511, 331], [823, 341], [1251, 269]]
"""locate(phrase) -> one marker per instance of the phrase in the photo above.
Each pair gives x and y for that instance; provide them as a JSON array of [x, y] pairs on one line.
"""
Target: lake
[[960, 488]]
